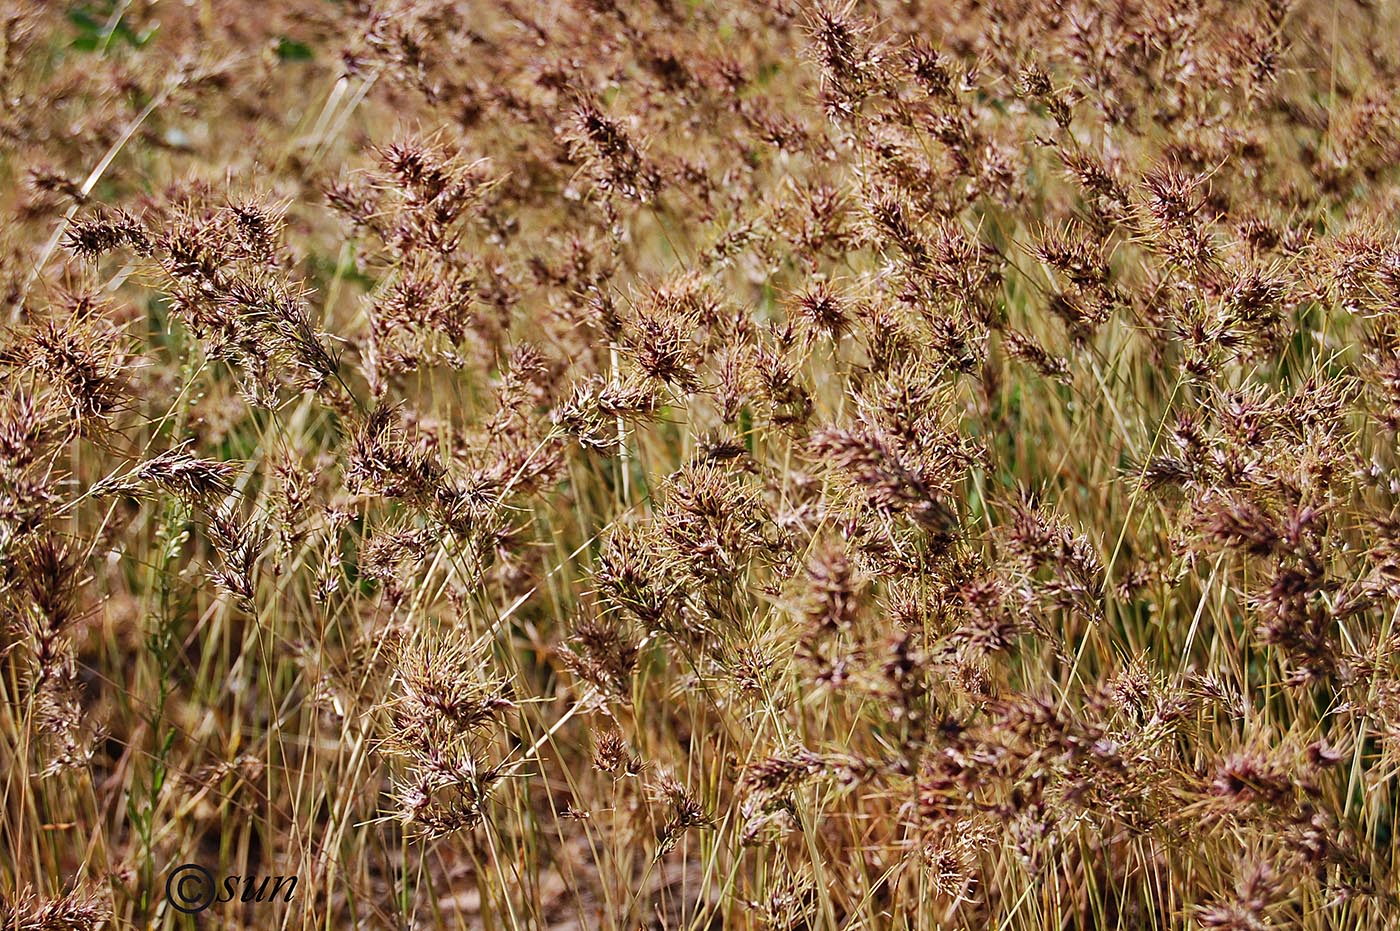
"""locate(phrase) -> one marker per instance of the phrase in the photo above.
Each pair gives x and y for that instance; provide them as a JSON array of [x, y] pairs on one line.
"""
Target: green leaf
[[85, 21], [292, 50]]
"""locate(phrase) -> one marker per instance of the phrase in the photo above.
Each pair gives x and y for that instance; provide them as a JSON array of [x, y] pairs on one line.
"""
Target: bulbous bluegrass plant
[[688, 465]]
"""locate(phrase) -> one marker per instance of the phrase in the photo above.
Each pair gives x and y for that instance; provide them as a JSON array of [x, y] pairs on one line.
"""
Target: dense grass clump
[[688, 465]]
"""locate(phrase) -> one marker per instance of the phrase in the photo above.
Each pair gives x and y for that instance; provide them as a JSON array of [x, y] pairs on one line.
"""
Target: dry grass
[[648, 463]]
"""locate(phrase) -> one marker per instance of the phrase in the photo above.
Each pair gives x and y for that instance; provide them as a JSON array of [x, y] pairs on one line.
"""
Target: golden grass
[[687, 465]]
